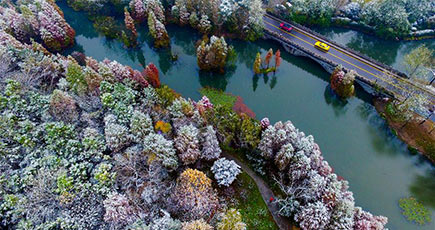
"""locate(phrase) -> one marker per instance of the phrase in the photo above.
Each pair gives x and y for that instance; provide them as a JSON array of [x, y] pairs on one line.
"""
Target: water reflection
[[383, 50], [215, 80], [422, 188], [337, 103]]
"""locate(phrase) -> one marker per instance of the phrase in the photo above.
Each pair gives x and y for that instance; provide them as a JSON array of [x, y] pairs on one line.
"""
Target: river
[[353, 138]]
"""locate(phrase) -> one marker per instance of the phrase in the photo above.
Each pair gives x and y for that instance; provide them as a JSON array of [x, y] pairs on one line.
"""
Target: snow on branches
[[225, 171], [316, 197]]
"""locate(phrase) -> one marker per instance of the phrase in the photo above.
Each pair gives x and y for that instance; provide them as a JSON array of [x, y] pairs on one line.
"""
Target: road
[[401, 87]]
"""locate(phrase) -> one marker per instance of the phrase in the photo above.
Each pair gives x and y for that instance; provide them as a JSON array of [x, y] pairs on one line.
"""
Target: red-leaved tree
[[152, 74]]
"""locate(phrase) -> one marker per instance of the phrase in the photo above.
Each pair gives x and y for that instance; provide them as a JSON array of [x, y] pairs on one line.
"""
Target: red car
[[285, 27]]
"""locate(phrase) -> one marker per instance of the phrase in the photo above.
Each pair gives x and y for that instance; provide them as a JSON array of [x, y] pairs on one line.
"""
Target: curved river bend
[[353, 137]]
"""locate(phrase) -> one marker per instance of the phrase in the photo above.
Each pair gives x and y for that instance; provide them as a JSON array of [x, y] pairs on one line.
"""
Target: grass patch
[[218, 97], [251, 205]]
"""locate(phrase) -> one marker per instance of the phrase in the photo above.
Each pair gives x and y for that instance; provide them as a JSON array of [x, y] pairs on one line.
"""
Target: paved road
[[401, 87]]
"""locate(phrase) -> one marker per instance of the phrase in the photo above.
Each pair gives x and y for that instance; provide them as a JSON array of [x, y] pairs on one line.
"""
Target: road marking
[[388, 73], [376, 76]]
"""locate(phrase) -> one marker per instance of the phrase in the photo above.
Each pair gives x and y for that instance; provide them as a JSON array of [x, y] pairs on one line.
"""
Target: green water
[[352, 136]]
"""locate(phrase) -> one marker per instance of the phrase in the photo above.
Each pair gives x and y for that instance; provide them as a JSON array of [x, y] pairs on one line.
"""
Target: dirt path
[[266, 193]]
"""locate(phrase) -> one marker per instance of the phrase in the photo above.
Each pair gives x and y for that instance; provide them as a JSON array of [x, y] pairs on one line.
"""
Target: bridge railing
[[381, 89], [354, 52]]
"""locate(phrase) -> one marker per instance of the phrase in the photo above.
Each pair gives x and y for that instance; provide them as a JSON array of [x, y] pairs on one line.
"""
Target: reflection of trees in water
[[273, 82], [255, 79], [423, 189], [215, 80], [382, 50], [165, 62], [185, 38], [382, 139], [338, 104], [78, 20], [246, 52]]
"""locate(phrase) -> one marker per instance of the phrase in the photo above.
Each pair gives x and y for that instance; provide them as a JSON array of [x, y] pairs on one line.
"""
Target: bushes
[[63, 106], [225, 171], [193, 195], [231, 220], [197, 225], [187, 144], [158, 31], [212, 54], [76, 78], [163, 149]]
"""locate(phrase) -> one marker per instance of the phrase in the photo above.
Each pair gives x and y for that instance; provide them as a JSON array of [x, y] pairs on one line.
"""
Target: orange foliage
[[268, 57], [277, 59], [194, 180], [162, 126]]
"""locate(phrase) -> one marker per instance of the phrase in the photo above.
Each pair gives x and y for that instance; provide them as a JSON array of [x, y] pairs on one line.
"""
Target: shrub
[[225, 171], [163, 127], [140, 125], [210, 145], [187, 144], [63, 106], [117, 136], [76, 78], [212, 54], [196, 225], [162, 148], [166, 95], [118, 209], [250, 132], [193, 195], [231, 220]]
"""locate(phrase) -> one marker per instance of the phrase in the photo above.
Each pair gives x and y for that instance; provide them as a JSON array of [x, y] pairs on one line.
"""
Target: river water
[[352, 136]]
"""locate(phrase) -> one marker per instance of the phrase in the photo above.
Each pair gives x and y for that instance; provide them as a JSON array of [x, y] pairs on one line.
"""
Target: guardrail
[[351, 51], [377, 87], [368, 60]]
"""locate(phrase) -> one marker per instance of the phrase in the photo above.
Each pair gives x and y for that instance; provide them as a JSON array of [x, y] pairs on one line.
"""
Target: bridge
[[373, 76]]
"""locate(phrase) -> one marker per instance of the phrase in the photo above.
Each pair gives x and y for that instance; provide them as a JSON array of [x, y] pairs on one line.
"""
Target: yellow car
[[322, 46]]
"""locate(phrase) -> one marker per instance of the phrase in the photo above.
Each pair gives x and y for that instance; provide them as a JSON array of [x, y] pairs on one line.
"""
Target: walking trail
[[282, 222]]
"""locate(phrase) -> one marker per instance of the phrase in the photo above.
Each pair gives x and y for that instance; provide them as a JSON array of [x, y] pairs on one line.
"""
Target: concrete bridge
[[374, 77]]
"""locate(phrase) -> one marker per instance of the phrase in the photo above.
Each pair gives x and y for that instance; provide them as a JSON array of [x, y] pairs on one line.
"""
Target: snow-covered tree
[[163, 149], [140, 125], [117, 136], [313, 216], [225, 171], [212, 54], [210, 145], [187, 144], [193, 195], [158, 31], [118, 209]]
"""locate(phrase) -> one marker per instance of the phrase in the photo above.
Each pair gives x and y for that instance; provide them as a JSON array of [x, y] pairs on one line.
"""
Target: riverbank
[[418, 133]]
